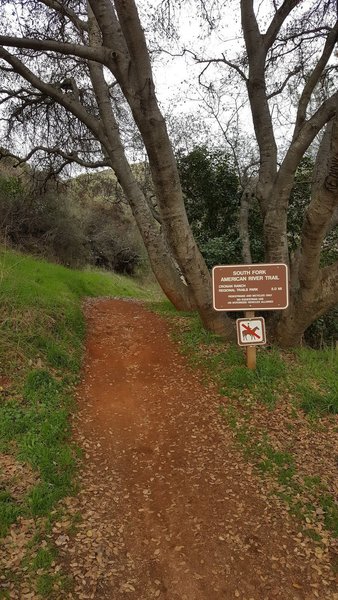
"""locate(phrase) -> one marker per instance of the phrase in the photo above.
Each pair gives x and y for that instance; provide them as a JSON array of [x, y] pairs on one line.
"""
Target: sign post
[[249, 288], [251, 354]]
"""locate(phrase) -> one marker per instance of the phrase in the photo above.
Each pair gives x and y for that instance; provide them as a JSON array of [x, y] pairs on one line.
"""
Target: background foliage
[[80, 222]]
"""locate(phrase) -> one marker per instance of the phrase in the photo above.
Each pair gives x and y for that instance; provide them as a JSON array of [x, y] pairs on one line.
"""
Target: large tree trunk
[[130, 65], [160, 257], [314, 289], [248, 194], [303, 311]]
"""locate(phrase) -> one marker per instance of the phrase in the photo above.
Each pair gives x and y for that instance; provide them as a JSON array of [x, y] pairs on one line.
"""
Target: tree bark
[[315, 289], [131, 67], [243, 225], [161, 261]]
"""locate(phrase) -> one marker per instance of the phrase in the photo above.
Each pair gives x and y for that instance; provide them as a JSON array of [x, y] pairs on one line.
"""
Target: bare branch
[[66, 100], [314, 78], [305, 137], [69, 157], [304, 33], [101, 55], [207, 61], [286, 80], [227, 62], [66, 11], [279, 17]]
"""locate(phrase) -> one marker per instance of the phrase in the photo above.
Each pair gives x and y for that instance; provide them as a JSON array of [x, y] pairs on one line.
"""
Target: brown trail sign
[[250, 287]]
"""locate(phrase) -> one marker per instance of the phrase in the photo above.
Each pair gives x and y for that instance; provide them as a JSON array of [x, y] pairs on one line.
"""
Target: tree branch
[[281, 14], [65, 100], [223, 60], [101, 55], [314, 78], [304, 32], [281, 88], [256, 85], [252, 36], [208, 61], [66, 11], [106, 19], [115, 149], [69, 157], [323, 204], [136, 43], [305, 137]]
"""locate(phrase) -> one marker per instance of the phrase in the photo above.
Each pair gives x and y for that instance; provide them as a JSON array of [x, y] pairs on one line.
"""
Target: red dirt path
[[170, 508]]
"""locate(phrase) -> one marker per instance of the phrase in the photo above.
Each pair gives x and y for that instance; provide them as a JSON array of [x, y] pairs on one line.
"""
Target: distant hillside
[[83, 221], [8, 168], [103, 186]]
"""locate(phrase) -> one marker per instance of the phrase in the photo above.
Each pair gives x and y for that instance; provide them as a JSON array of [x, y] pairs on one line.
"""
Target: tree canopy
[[77, 77]]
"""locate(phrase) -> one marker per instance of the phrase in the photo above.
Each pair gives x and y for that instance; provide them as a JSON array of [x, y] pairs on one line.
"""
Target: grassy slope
[[41, 344]]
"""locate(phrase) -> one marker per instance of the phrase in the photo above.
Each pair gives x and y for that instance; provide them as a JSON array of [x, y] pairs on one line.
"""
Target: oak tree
[[280, 64], [64, 65]]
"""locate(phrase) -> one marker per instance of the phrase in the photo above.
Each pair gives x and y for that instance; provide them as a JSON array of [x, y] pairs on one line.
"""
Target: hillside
[[82, 221]]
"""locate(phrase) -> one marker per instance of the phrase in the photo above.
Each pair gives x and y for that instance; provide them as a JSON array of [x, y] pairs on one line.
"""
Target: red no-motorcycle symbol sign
[[251, 331]]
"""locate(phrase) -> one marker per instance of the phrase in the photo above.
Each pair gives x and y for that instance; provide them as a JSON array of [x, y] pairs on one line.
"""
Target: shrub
[[74, 230]]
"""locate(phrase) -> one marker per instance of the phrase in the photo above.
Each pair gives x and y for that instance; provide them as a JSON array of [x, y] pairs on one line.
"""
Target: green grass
[[40, 310], [41, 343], [318, 391], [9, 511], [306, 378], [43, 558], [45, 585]]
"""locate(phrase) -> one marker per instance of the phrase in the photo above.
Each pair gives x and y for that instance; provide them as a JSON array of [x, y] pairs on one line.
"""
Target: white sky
[[176, 77]]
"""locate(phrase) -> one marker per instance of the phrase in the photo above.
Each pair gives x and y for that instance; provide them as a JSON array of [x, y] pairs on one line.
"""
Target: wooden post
[[250, 350]]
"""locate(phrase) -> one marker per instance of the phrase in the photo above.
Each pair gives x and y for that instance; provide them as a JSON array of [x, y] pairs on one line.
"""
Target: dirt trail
[[170, 509]]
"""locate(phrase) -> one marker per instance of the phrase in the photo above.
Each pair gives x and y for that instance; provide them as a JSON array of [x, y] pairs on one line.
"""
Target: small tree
[[211, 195]]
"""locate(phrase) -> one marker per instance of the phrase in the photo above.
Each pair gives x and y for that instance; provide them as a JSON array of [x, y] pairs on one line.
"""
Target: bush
[[41, 222], [73, 229], [114, 243]]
